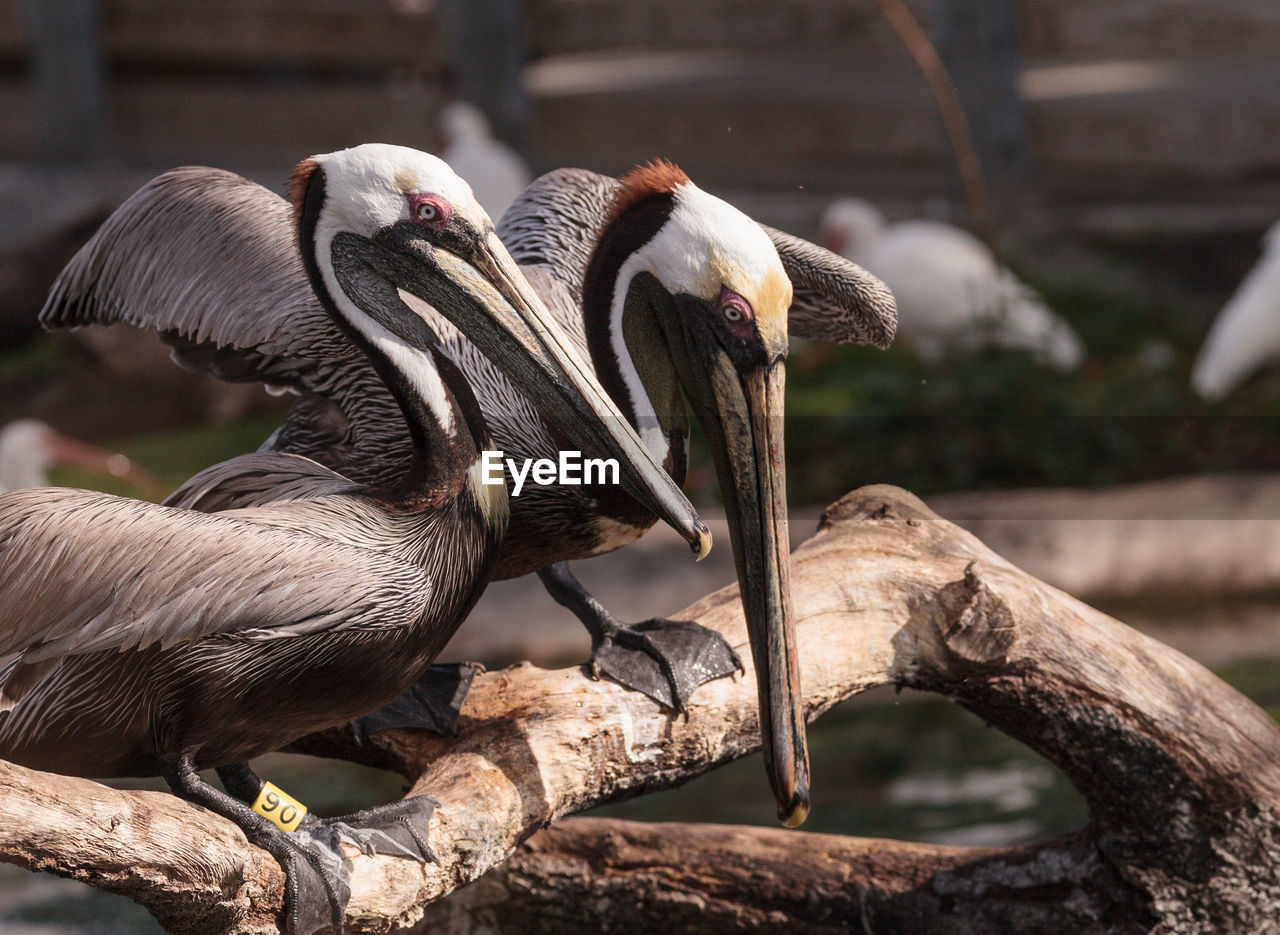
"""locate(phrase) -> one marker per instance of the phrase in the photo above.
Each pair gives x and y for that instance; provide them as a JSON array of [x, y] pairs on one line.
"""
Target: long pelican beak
[[497, 309], [740, 408]]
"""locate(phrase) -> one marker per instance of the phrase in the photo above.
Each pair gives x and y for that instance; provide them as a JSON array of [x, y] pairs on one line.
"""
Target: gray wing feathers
[[82, 572], [257, 479], [204, 257], [834, 299], [555, 222]]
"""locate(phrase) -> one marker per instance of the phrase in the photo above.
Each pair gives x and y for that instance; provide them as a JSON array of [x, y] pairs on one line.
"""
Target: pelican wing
[[83, 572], [257, 479], [834, 299], [209, 260], [554, 224]]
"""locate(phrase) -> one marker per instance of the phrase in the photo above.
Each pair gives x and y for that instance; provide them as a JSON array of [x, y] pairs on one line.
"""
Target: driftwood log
[[1181, 774]]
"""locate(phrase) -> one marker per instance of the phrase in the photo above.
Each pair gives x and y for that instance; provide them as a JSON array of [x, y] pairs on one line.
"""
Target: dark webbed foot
[[664, 659], [398, 829], [317, 885], [431, 703]]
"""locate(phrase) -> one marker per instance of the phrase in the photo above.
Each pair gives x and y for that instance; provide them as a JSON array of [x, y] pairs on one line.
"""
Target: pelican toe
[[665, 659]]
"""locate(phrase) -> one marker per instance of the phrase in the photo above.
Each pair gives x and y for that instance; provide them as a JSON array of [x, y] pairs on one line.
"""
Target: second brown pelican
[[139, 639], [666, 290]]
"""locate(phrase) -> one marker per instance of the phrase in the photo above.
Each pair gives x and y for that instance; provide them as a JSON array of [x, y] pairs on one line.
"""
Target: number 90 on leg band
[[279, 807]]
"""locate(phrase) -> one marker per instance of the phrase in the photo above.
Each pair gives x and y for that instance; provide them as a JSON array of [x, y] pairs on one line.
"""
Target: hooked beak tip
[[794, 814], [701, 546]]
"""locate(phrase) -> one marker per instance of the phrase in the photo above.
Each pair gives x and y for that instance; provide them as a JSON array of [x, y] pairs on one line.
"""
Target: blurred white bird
[[1246, 333], [951, 292], [494, 170], [29, 448]]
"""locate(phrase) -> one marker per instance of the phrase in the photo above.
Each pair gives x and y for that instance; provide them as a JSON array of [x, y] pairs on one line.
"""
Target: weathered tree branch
[[1181, 772], [583, 875]]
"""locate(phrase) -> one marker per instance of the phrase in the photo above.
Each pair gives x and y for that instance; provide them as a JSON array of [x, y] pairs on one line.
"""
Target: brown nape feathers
[[298, 185], [654, 178]]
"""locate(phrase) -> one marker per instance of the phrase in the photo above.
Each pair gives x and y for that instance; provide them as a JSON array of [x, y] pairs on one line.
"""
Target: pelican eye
[[735, 309], [429, 209]]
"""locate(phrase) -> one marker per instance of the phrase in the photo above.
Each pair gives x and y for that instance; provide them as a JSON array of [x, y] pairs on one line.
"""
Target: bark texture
[[1181, 773]]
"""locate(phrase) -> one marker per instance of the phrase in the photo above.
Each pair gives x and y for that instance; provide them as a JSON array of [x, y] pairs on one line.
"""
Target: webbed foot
[[665, 659], [431, 703], [398, 829], [317, 886]]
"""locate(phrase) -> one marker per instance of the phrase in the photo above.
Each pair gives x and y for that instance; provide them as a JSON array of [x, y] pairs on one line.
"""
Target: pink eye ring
[[735, 309], [429, 209]]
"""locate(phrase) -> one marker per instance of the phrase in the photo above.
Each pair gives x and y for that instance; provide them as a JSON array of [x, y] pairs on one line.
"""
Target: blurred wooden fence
[[266, 79], [1143, 101]]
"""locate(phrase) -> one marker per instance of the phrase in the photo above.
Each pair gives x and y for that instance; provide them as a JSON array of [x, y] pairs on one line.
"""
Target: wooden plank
[[758, 115], [390, 34], [166, 121], [1184, 127], [321, 34], [18, 128], [13, 32], [1101, 29], [567, 26], [244, 122], [746, 142], [373, 35]]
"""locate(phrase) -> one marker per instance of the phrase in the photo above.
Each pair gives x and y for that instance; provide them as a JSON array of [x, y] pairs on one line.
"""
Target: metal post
[[68, 79], [487, 37], [978, 42]]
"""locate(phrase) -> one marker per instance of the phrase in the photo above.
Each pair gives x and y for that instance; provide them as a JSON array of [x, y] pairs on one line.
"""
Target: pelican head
[[462, 120], [849, 226], [699, 306], [377, 222]]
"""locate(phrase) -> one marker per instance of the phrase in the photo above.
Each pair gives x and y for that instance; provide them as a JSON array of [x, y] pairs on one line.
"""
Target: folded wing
[[84, 572]]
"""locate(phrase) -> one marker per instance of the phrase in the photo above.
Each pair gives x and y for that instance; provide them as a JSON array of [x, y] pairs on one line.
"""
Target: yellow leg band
[[279, 807]]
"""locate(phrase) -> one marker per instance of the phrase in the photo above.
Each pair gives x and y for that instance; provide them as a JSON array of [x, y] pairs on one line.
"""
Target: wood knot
[[977, 623]]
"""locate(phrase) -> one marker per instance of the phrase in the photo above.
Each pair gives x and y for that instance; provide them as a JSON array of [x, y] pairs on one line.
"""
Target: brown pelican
[[29, 448], [139, 639], [665, 289]]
